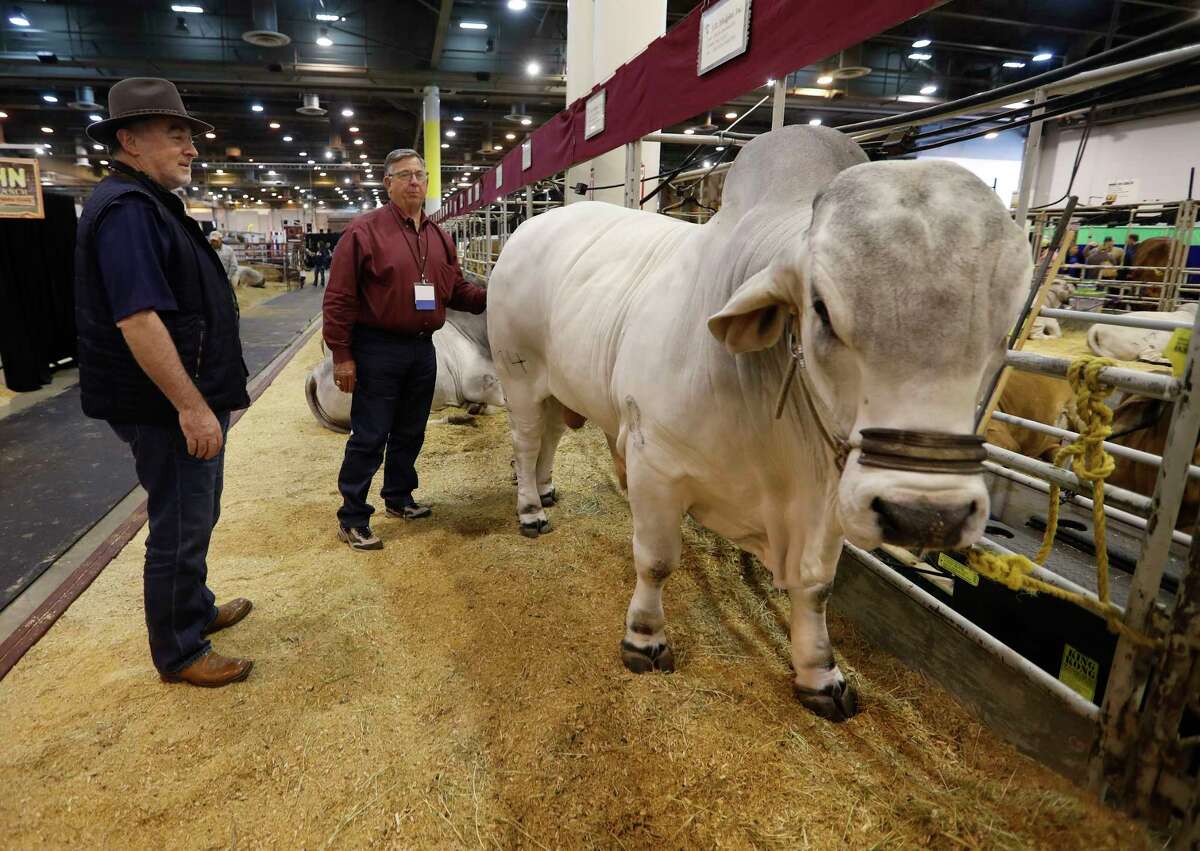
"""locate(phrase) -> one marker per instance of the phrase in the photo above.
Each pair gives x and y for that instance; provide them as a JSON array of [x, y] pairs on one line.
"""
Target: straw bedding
[[462, 687]]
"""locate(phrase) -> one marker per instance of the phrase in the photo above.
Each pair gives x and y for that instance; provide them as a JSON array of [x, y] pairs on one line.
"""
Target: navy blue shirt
[[132, 248]]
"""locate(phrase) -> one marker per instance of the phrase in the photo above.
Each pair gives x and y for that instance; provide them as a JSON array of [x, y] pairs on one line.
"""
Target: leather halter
[[893, 449]]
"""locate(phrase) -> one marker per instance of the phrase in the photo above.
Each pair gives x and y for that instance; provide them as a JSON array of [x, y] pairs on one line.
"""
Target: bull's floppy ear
[[755, 316]]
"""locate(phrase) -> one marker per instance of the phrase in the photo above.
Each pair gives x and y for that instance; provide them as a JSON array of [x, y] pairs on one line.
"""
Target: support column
[[432, 119], [1030, 160], [579, 78], [621, 30], [779, 103]]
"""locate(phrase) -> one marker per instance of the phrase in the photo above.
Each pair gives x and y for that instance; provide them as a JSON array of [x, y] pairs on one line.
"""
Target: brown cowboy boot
[[212, 670], [229, 613]]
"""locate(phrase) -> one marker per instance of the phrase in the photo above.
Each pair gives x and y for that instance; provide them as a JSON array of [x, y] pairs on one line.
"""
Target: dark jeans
[[319, 277], [392, 395], [184, 504]]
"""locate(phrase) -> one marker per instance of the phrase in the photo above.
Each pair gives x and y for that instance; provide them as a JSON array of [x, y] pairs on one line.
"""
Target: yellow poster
[[20, 189]]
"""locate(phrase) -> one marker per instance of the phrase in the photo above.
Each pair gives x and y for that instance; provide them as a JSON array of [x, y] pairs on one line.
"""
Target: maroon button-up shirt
[[375, 267]]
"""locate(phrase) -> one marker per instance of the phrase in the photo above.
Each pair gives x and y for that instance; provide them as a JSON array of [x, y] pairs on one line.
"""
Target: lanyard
[[424, 254]]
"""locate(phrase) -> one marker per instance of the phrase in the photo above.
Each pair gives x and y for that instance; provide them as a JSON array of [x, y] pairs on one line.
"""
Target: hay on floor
[[462, 688], [1073, 344]]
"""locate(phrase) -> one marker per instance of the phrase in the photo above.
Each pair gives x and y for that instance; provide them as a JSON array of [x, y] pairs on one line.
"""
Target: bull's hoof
[[550, 498], [535, 528], [836, 702], [643, 660]]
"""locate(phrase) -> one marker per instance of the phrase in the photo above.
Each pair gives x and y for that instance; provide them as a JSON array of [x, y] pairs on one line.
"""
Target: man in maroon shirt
[[393, 275]]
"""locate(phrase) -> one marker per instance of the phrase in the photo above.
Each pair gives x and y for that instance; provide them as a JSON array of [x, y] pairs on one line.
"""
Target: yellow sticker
[[1177, 349], [958, 569], [1079, 673]]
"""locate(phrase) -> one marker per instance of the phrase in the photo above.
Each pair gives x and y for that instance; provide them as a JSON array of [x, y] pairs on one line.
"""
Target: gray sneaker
[[360, 538], [412, 511]]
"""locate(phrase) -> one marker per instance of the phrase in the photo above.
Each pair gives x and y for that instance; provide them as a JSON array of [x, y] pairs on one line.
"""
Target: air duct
[[85, 99], [266, 26], [312, 105]]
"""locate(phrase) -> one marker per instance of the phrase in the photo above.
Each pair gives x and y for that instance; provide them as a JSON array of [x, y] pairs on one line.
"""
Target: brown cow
[[1041, 398], [1156, 252]]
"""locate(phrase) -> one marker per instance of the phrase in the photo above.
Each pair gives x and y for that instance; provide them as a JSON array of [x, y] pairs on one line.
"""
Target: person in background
[[1131, 246], [160, 359], [394, 273], [1098, 256], [225, 254], [324, 258]]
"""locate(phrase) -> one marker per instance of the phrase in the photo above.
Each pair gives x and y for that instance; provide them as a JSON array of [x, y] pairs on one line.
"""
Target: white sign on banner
[[499, 175], [526, 154], [1122, 191], [594, 115], [724, 33]]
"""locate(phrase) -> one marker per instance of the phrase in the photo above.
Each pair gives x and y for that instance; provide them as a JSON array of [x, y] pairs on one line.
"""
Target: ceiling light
[[1016, 104], [347, 112], [187, 9], [526, 121], [510, 136], [920, 57], [210, 135], [219, 171], [929, 89], [517, 5], [472, 25], [689, 131], [323, 40], [256, 107], [991, 135], [329, 155], [814, 122], [1014, 63], [50, 98], [362, 156], [533, 69], [720, 147], [47, 129], [345, 180], [824, 80], [92, 117], [274, 125], [770, 81], [458, 118], [731, 115], [1043, 57], [324, 16], [922, 42], [97, 147], [476, 168], [323, 174], [17, 18], [445, 144], [450, 134], [497, 147], [271, 173], [707, 164], [353, 129]]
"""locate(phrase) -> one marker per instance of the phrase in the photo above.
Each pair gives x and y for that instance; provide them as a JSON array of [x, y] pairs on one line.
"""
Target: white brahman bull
[[465, 374], [1115, 341], [670, 337]]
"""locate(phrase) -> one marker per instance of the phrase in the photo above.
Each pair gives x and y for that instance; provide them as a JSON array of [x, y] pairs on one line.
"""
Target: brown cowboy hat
[[141, 97]]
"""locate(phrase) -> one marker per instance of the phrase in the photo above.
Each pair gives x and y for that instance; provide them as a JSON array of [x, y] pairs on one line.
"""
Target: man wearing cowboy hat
[[224, 253], [160, 359]]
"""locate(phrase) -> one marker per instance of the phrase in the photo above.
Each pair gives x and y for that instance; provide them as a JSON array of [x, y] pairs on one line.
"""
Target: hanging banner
[[20, 189]]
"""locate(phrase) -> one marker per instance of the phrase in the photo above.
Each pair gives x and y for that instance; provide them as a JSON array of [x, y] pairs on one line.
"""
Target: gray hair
[[401, 154]]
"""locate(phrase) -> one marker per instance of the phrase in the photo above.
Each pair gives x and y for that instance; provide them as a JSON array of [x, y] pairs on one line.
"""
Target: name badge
[[426, 298]]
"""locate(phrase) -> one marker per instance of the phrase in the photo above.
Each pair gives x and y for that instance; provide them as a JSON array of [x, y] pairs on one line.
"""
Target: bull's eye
[[822, 313]]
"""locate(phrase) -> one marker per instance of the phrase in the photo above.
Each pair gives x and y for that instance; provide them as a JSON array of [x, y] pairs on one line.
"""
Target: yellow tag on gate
[[959, 569], [1078, 672], [1177, 349]]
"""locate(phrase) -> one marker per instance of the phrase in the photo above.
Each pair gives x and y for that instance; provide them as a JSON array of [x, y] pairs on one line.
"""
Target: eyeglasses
[[409, 175]]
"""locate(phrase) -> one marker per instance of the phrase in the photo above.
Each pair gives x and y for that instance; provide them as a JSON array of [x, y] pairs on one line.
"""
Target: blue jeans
[[184, 505], [393, 391], [319, 276]]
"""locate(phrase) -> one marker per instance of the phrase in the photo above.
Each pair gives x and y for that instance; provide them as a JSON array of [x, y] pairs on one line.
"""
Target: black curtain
[[37, 293]]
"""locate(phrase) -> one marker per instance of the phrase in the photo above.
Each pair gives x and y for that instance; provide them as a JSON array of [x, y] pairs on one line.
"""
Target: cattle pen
[[1114, 716]]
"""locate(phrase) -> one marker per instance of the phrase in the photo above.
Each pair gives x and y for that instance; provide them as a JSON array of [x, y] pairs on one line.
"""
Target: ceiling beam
[[439, 37]]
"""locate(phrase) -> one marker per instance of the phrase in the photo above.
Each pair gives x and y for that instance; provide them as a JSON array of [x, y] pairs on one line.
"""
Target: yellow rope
[[1090, 463]]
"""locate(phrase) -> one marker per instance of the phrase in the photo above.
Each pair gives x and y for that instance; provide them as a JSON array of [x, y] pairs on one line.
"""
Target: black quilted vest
[[204, 328]]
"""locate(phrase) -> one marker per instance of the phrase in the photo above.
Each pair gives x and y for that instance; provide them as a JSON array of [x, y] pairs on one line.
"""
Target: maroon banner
[[659, 87]]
